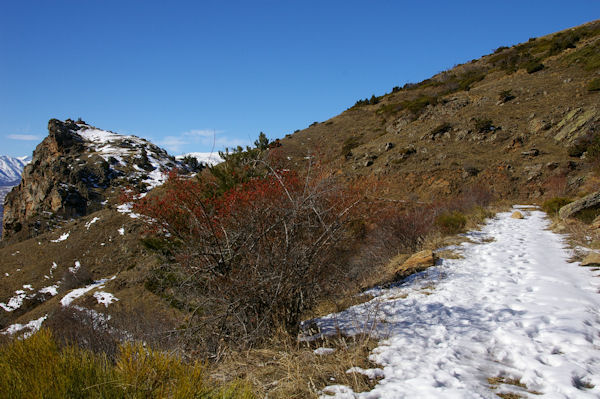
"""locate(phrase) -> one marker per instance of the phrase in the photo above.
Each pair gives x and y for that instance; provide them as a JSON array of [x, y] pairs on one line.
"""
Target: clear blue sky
[[175, 72]]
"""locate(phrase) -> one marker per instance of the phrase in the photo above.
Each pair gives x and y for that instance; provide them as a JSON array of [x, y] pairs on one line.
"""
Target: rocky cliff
[[76, 170]]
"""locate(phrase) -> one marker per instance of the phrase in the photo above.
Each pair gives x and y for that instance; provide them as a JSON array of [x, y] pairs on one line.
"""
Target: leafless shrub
[[251, 260], [76, 277], [84, 328]]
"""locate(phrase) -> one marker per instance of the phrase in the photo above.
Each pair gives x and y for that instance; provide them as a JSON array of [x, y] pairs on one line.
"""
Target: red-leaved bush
[[252, 259]]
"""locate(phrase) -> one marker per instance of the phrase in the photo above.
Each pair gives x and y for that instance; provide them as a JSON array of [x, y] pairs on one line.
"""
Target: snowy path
[[513, 308]]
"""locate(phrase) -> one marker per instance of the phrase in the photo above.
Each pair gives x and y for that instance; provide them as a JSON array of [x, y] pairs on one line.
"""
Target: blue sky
[[185, 74]]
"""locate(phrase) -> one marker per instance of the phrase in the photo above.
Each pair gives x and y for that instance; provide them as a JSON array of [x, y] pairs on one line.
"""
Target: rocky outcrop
[[592, 259], [76, 170], [589, 201], [416, 263]]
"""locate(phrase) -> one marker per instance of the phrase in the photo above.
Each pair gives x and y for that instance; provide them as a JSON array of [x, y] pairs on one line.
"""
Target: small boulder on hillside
[[592, 259], [589, 201], [417, 263], [517, 215]]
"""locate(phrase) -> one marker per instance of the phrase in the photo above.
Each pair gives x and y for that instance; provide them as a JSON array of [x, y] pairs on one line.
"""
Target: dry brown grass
[[291, 369], [496, 382], [579, 234]]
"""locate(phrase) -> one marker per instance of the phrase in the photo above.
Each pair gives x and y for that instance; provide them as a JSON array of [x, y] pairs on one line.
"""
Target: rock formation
[[78, 169], [589, 201]]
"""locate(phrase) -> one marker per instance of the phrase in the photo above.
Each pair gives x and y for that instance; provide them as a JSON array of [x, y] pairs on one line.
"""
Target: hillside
[[510, 120]]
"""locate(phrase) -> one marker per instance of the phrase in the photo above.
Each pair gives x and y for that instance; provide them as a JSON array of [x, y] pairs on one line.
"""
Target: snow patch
[[121, 231], [127, 209], [105, 298], [33, 326], [74, 269], [52, 290], [324, 351], [78, 292], [63, 237], [91, 222], [14, 302]]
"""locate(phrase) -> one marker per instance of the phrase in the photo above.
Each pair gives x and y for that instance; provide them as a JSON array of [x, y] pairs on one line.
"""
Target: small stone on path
[[517, 215]]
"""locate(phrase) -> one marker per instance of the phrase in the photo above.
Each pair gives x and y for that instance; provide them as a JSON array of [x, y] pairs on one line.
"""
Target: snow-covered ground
[[513, 309], [210, 158]]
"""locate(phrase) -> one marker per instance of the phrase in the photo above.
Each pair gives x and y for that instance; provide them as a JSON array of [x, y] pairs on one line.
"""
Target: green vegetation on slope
[[37, 368]]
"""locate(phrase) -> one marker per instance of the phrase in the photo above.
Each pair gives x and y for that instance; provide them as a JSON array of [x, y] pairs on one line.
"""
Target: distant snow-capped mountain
[[11, 169], [210, 158]]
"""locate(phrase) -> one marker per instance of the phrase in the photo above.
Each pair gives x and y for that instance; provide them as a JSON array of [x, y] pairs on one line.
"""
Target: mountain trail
[[513, 317]]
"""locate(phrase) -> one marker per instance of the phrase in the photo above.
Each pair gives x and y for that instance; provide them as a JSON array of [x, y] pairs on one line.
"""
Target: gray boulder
[[589, 201]]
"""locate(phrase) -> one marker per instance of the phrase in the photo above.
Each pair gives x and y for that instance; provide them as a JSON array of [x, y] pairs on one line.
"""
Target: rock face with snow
[[76, 170]]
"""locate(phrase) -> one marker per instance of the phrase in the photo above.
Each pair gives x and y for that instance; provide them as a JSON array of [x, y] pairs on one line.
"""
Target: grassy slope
[[542, 104]]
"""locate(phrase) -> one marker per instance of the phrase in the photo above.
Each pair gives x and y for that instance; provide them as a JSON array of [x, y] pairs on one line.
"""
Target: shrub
[[564, 40], [76, 277], [451, 222], [252, 259], [360, 102], [588, 215], [349, 144], [589, 144], [467, 79], [192, 163], [594, 85], [409, 228], [553, 205], [37, 368], [483, 125], [417, 105], [506, 95], [390, 108], [511, 59], [85, 329], [534, 66]]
